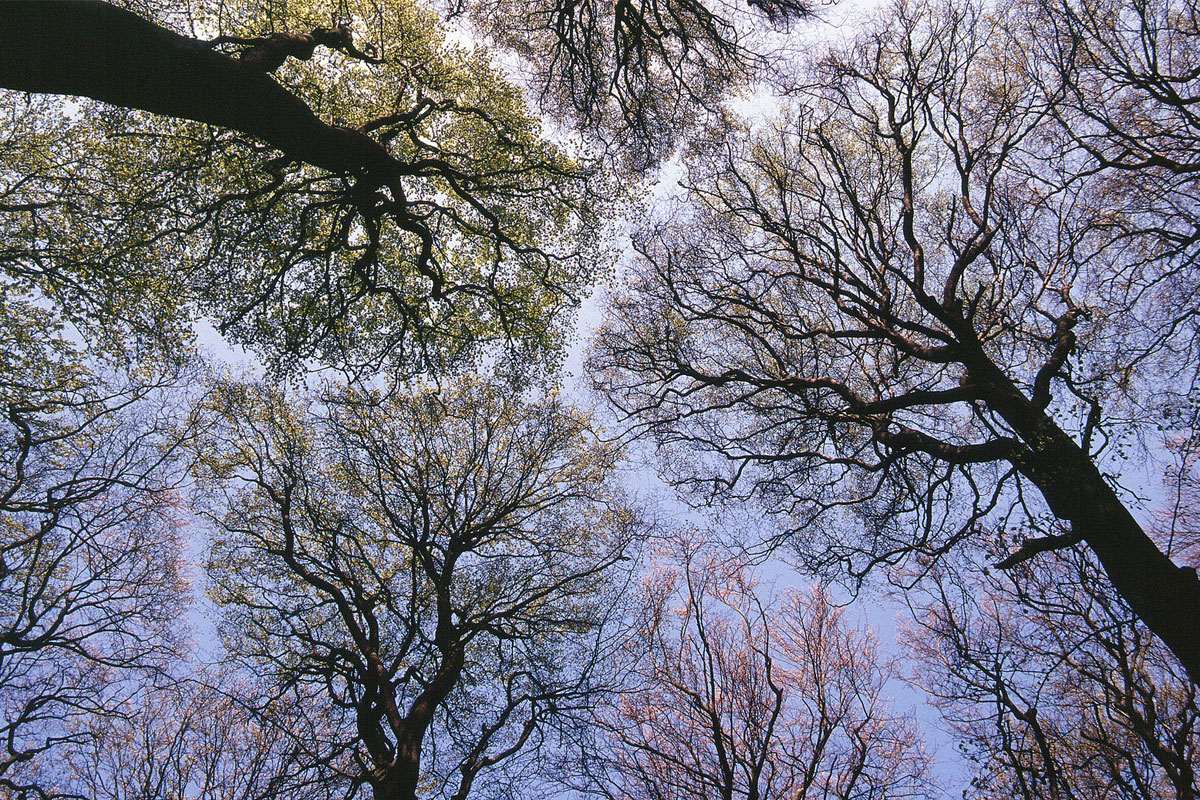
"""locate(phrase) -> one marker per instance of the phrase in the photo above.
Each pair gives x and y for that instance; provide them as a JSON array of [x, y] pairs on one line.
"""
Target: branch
[[89, 48], [268, 53], [1042, 544], [907, 440], [1064, 343]]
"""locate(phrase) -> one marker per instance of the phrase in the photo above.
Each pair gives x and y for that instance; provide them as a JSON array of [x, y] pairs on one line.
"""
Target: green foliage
[[136, 225]]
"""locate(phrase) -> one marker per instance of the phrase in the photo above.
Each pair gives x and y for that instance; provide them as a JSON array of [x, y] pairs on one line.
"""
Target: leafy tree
[[900, 316], [389, 203], [431, 570], [91, 584]]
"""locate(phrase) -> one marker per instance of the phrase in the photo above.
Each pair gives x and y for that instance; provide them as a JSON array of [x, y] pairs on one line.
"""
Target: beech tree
[[90, 580], [899, 316], [940, 296], [729, 695], [433, 570], [327, 181]]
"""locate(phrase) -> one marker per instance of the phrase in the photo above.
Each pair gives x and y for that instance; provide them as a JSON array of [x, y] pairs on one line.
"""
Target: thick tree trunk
[[92, 49], [398, 771], [397, 783], [1164, 595]]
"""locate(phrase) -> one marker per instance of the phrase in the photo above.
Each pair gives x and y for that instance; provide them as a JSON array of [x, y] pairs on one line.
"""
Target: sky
[[872, 608]]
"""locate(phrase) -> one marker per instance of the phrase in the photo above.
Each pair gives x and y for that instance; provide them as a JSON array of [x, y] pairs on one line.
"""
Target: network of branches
[[543, 398]]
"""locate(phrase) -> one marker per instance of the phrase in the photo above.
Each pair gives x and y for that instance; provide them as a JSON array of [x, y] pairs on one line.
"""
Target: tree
[[729, 696], [430, 569], [1126, 94], [887, 311], [375, 204], [1179, 527], [635, 72], [90, 581], [188, 740], [1054, 688]]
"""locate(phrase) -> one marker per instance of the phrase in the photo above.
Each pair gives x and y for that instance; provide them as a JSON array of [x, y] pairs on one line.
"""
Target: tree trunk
[[1165, 596], [398, 783], [92, 49]]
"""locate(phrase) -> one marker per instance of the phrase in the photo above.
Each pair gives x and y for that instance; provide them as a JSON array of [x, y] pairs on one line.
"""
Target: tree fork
[[89, 48]]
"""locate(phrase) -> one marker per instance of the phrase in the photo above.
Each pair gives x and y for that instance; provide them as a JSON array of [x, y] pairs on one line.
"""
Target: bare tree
[[1127, 82], [1054, 687], [189, 741], [90, 581], [432, 569], [1126, 72], [729, 696], [886, 312], [639, 72]]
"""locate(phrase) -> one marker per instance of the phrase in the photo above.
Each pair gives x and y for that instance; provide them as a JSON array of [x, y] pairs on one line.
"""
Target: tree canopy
[[403, 213], [909, 307], [421, 565]]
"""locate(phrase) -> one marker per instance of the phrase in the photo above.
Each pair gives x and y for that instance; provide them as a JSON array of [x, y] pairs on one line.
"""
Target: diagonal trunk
[[92, 49], [1165, 596]]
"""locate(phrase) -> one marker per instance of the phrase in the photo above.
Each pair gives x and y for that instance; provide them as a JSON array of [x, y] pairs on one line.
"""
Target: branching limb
[[269, 52], [1042, 544]]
